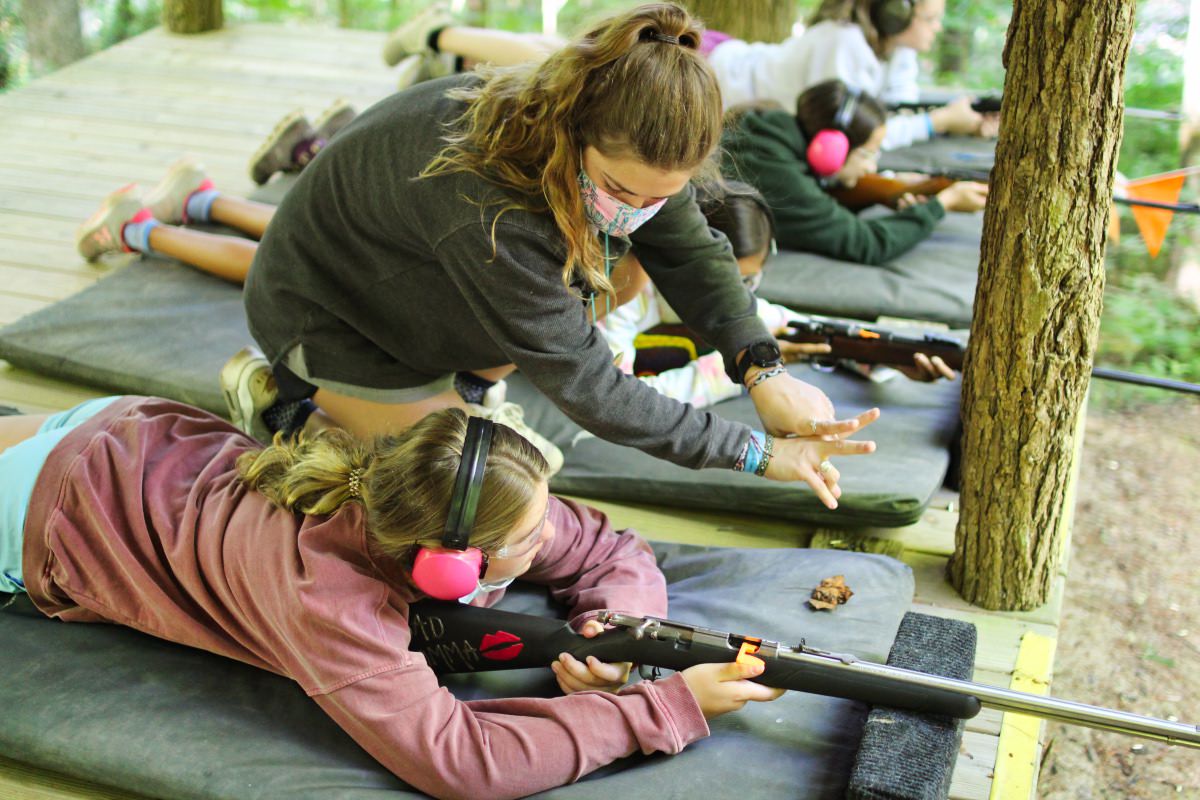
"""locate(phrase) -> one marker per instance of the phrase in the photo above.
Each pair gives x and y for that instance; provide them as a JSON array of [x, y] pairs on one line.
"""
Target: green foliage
[[1146, 329]]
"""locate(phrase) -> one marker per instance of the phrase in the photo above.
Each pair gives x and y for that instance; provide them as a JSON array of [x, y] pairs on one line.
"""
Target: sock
[[199, 203], [136, 233], [470, 387], [288, 416], [432, 40], [306, 151]]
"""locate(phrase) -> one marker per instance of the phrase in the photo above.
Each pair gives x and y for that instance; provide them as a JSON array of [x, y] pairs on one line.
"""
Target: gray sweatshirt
[[390, 281]]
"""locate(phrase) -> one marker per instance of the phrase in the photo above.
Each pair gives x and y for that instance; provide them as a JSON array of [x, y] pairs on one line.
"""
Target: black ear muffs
[[891, 17]]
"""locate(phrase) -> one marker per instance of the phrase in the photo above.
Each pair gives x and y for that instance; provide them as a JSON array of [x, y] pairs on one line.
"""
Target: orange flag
[[1161, 188]]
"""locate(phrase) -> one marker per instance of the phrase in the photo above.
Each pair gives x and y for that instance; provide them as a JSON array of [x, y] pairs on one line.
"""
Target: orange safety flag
[[1161, 188]]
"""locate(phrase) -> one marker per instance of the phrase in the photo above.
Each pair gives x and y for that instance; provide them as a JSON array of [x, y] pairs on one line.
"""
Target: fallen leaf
[[831, 593]]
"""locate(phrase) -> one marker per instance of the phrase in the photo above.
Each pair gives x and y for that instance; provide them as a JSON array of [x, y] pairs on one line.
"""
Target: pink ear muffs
[[827, 152], [446, 573]]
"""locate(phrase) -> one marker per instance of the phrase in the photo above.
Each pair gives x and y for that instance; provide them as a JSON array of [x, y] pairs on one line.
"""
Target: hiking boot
[[412, 37], [275, 154], [248, 385], [168, 200], [334, 118], [513, 416], [101, 232]]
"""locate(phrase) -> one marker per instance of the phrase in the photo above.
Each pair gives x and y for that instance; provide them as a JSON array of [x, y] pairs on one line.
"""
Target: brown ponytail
[[635, 86]]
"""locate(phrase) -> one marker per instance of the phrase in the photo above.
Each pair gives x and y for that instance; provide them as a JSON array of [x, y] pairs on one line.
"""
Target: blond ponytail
[[403, 481]]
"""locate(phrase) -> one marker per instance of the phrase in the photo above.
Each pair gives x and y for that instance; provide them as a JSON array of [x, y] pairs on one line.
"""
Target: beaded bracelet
[[762, 376], [768, 451]]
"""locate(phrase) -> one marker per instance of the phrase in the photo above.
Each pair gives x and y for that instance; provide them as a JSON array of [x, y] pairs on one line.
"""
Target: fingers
[[795, 351], [593, 627], [943, 368], [574, 675], [822, 490], [737, 677], [848, 447]]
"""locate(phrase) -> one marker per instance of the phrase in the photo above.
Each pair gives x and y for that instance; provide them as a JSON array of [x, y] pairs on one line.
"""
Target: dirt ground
[[1130, 636]]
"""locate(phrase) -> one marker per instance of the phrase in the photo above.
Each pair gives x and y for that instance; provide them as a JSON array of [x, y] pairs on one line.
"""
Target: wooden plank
[[1019, 749], [933, 589], [710, 528], [972, 776]]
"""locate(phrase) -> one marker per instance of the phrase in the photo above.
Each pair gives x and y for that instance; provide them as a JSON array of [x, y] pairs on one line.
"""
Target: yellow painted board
[[1018, 752]]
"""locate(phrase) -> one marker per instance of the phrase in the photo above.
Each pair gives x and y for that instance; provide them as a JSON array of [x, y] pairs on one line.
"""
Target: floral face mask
[[609, 214]]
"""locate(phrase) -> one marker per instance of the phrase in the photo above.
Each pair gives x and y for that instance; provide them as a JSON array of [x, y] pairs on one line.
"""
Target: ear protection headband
[[829, 149], [891, 17], [453, 570]]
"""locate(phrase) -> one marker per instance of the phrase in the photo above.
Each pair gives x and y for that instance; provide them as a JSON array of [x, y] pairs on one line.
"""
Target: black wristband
[[761, 354]]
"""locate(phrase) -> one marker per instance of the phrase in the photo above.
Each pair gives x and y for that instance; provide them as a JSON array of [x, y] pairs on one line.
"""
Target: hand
[[908, 200], [957, 118], [965, 196], [574, 675], [801, 459], [990, 127], [724, 687], [927, 369], [790, 407], [800, 351]]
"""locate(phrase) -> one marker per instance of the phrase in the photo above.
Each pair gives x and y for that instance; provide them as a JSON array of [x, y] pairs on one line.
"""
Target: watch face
[[764, 353]]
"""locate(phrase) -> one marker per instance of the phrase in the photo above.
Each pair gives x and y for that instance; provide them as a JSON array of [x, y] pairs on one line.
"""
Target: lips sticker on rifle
[[500, 646]]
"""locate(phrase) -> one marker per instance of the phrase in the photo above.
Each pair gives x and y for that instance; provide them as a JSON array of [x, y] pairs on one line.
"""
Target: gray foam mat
[[110, 705], [891, 487], [934, 281]]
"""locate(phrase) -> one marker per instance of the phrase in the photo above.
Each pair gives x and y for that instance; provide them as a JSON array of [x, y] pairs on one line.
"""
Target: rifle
[[869, 344], [455, 637], [876, 189], [987, 104]]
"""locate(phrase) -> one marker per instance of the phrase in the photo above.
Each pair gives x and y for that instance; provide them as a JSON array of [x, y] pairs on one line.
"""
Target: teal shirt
[[766, 149]]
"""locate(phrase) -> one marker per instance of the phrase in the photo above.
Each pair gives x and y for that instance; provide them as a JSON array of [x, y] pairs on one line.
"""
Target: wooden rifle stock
[[877, 189], [872, 345]]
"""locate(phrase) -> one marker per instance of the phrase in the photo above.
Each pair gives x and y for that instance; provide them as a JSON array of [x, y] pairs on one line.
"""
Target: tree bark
[[53, 33], [1041, 284], [752, 20], [192, 16]]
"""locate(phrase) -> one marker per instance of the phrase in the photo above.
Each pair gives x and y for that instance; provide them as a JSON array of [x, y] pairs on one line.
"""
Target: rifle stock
[[459, 638]]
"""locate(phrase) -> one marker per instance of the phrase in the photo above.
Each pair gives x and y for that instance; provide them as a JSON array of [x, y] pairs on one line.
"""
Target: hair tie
[[355, 482], [664, 37]]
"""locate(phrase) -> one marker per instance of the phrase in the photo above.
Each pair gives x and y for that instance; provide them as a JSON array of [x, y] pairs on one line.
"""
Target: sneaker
[[248, 385], [101, 232], [494, 396], [409, 72], [275, 153], [334, 118], [413, 36], [168, 200], [513, 416]]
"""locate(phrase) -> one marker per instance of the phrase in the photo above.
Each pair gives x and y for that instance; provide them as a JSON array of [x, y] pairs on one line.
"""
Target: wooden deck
[[123, 115]]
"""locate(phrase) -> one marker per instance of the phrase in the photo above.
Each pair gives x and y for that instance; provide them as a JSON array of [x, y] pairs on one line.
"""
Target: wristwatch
[[760, 354]]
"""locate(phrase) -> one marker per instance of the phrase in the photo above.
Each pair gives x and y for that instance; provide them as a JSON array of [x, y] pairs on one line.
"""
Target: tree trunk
[[192, 16], [1041, 283], [1183, 276], [53, 33], [752, 20]]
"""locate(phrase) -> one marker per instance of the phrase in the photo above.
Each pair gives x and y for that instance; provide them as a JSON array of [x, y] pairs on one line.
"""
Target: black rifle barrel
[[1183, 208], [458, 638], [1121, 376]]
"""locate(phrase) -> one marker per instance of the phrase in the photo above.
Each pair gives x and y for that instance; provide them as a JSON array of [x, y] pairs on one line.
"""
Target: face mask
[[483, 587], [609, 214]]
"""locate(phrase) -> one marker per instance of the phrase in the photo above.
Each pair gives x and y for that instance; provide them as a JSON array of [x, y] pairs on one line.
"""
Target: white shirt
[[755, 71]]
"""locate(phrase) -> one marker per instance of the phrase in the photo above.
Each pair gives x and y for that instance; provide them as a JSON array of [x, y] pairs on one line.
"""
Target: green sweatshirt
[[766, 148]]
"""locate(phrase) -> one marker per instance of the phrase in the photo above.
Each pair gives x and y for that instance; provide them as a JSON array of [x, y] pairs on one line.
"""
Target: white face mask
[[483, 587]]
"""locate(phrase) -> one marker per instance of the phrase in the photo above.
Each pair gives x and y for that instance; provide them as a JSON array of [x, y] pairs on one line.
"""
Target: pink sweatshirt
[[138, 518]]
